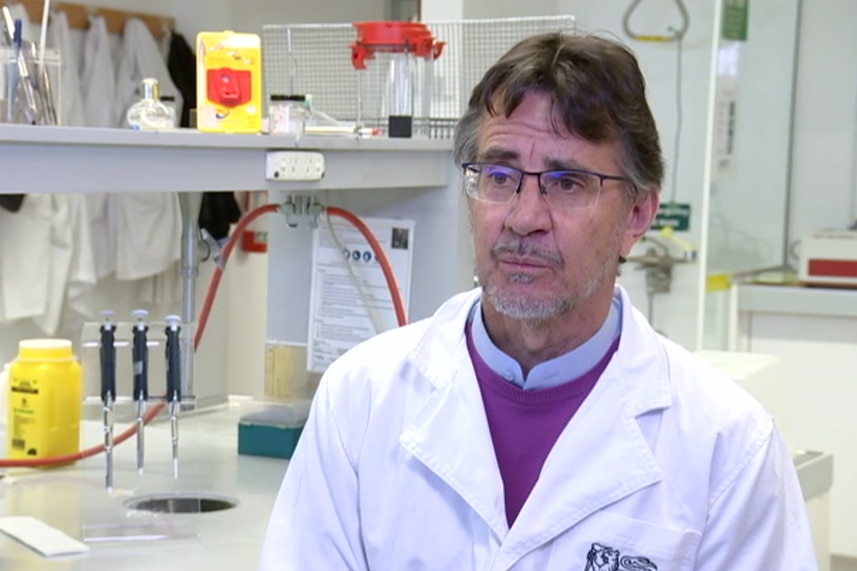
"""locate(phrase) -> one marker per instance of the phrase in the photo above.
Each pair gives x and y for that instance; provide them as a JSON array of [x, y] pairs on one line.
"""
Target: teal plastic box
[[273, 430]]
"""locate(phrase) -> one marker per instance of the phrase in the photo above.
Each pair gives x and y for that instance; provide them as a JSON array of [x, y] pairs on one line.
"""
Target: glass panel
[[751, 154]]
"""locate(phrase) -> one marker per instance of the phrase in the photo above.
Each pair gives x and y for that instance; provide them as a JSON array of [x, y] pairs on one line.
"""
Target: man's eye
[[569, 182], [498, 177]]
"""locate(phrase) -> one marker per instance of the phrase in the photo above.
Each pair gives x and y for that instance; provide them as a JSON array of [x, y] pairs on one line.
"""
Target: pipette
[[174, 383], [140, 358], [108, 390]]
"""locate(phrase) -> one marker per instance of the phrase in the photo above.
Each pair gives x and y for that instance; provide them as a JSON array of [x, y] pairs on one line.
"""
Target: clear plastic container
[[30, 92], [395, 65], [287, 114]]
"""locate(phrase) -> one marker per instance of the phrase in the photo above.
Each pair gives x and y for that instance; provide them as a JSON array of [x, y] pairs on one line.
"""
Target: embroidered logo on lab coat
[[605, 558]]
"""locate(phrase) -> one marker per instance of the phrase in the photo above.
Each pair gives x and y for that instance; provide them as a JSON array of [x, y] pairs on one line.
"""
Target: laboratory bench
[[74, 499]]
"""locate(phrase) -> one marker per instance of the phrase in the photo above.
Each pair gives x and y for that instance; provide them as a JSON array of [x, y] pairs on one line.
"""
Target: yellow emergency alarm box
[[229, 82]]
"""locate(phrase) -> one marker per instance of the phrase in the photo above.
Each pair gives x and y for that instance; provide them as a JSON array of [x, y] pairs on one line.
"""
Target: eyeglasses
[[569, 188]]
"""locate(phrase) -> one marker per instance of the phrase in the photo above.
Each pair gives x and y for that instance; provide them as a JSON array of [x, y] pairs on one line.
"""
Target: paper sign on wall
[[726, 96], [350, 301]]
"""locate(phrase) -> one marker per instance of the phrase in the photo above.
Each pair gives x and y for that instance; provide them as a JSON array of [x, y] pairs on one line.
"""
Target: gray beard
[[526, 308]]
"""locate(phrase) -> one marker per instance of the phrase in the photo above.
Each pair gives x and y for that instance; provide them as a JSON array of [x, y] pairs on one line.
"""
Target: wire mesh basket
[[315, 59]]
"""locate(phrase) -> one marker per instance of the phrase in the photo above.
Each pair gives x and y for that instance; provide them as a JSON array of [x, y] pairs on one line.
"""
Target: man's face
[[539, 262]]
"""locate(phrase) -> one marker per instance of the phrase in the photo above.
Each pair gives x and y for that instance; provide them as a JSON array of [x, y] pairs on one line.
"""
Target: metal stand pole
[[190, 203]]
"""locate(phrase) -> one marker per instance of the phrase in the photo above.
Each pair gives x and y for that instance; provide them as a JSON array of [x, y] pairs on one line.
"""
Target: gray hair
[[598, 94]]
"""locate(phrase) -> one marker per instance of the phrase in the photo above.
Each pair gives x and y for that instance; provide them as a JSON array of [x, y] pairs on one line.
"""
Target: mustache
[[522, 248]]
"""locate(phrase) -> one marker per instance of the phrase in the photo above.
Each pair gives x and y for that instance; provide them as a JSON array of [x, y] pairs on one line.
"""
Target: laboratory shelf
[[797, 300], [46, 159]]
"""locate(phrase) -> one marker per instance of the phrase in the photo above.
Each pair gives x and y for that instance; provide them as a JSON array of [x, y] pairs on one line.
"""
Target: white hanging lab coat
[[25, 258], [99, 106], [148, 240], [71, 104], [141, 57], [73, 236], [667, 466]]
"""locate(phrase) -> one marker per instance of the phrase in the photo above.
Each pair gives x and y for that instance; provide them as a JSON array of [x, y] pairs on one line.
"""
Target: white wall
[[509, 8], [253, 14], [824, 154]]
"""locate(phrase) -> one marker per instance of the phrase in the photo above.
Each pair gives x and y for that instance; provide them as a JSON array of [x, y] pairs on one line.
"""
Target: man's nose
[[529, 211]]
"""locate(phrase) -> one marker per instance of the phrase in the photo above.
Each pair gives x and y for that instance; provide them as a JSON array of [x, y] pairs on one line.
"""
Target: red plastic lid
[[375, 37]]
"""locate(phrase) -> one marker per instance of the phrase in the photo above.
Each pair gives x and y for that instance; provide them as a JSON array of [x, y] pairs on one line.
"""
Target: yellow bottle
[[45, 392]]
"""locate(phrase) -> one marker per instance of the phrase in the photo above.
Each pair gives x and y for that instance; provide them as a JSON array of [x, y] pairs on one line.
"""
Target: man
[[540, 423]]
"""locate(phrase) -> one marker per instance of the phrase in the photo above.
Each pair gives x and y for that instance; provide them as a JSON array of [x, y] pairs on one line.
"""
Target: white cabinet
[[814, 333]]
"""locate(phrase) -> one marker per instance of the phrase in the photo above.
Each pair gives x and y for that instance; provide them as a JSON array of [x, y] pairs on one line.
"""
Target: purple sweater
[[524, 425]]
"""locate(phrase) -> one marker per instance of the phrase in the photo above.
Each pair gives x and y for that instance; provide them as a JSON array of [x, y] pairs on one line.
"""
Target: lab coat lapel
[[602, 455], [450, 434]]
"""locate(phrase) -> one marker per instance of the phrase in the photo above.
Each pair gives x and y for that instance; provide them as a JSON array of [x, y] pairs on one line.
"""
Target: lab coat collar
[[601, 454]]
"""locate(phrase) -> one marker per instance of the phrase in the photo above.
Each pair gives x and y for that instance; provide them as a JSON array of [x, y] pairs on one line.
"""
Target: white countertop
[[797, 300], [74, 499]]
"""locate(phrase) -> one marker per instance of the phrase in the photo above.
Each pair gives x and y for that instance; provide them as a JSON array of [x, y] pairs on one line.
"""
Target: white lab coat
[[73, 235], [71, 104], [667, 466], [99, 106], [148, 224], [25, 258], [141, 57]]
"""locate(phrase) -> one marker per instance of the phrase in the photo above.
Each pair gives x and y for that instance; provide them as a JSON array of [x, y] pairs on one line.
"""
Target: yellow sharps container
[[45, 399]]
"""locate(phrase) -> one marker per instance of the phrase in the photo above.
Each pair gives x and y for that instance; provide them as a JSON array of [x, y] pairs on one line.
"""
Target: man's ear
[[640, 219]]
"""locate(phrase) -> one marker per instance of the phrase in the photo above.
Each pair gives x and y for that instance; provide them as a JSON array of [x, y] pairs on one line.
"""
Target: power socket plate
[[292, 166]]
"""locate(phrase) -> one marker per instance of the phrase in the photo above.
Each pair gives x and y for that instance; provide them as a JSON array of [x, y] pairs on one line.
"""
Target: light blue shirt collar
[[556, 371]]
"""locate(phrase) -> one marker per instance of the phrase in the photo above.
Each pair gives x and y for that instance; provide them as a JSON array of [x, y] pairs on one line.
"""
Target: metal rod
[[107, 410], [140, 357], [174, 435], [190, 203]]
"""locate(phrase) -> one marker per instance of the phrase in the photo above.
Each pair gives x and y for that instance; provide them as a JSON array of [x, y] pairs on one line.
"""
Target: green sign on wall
[[675, 215], [734, 24]]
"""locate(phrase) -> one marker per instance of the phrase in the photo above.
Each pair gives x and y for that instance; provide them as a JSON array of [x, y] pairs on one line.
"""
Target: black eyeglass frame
[[538, 174]]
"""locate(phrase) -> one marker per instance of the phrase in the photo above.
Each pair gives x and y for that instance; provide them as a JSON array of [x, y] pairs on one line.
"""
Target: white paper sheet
[[350, 301]]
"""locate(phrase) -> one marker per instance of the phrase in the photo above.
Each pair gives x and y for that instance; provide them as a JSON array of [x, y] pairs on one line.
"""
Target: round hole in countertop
[[180, 503]]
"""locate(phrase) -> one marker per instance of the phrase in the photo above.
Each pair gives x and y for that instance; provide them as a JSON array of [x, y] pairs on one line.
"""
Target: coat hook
[[91, 13]]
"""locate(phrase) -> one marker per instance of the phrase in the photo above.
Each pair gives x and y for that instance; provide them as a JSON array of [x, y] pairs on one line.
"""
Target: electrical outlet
[[293, 166]]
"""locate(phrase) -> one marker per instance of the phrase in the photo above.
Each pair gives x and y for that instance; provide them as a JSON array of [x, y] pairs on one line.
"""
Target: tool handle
[[108, 361], [140, 359], [173, 350]]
